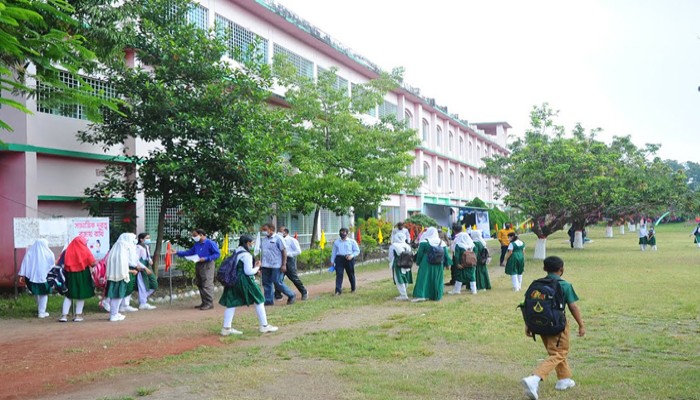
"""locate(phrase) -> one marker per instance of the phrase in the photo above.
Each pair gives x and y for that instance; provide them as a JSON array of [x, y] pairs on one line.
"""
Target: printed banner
[[95, 230]]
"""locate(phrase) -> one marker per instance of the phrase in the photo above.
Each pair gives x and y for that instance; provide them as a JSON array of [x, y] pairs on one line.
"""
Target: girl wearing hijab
[[245, 292], [515, 261], [76, 261], [430, 280], [35, 266], [402, 276], [467, 275], [121, 257], [145, 280], [483, 282]]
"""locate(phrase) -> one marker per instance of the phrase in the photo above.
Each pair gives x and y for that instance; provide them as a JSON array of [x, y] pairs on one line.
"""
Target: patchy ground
[[47, 359]]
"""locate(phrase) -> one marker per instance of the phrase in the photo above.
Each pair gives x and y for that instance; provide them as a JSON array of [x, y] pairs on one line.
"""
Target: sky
[[630, 67]]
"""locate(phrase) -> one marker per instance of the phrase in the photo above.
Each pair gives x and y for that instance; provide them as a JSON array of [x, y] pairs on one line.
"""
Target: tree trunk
[[541, 249], [159, 235], [608, 231], [314, 232], [578, 239], [622, 229]]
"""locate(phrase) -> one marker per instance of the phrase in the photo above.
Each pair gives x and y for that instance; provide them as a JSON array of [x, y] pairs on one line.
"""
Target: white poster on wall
[[28, 230], [482, 223], [95, 230]]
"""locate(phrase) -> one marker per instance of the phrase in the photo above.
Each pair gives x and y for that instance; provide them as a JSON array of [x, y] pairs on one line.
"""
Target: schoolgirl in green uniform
[[515, 261]]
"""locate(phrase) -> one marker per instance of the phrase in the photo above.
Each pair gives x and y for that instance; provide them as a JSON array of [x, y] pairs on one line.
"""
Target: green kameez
[[516, 261], [430, 281], [244, 293]]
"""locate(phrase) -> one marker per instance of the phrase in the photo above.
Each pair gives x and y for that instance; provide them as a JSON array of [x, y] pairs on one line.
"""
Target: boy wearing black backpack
[[557, 345]]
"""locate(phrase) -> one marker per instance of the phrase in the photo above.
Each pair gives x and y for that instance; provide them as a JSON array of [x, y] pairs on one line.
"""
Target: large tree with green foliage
[[338, 158], [214, 142], [39, 41]]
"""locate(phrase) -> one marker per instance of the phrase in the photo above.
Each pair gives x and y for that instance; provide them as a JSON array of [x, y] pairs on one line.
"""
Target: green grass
[[641, 309]]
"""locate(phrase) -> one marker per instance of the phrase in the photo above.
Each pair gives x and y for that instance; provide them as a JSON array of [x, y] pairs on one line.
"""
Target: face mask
[[195, 238], [270, 233], [147, 241], [343, 235]]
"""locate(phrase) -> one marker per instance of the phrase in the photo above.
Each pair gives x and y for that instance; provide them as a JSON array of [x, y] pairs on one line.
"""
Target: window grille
[[101, 90], [239, 39], [387, 108], [340, 82], [357, 89], [198, 16], [304, 67], [172, 217]]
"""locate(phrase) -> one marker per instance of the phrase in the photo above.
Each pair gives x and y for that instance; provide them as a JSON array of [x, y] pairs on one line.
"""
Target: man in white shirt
[[293, 250]]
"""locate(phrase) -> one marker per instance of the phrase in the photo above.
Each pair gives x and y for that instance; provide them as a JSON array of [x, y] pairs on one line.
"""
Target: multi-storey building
[[44, 169]]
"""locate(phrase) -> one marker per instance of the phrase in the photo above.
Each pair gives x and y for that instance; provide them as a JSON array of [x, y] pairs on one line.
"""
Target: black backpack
[[436, 255], [405, 259], [227, 273], [484, 256], [543, 308]]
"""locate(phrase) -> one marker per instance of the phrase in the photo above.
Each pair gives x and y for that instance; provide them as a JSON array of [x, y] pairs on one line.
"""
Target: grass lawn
[[641, 311]]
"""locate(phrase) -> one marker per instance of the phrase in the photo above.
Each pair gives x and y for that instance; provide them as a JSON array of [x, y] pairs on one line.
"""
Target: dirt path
[[43, 358]]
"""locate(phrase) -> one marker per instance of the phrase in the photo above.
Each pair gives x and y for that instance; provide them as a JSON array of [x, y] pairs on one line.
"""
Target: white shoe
[[128, 309], [401, 298], [78, 318], [453, 292], [563, 384], [530, 385], [64, 318], [419, 299], [43, 315], [146, 306], [268, 328], [230, 331], [117, 318]]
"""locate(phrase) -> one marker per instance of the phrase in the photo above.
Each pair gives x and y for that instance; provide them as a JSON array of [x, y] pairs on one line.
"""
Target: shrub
[[421, 220], [314, 258], [370, 229]]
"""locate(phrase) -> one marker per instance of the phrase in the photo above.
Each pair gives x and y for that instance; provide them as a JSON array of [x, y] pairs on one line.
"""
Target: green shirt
[[569, 293]]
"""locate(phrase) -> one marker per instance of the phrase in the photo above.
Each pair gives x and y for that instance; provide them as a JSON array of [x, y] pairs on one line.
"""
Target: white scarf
[[398, 236], [122, 255], [37, 262], [464, 241], [431, 236], [477, 236]]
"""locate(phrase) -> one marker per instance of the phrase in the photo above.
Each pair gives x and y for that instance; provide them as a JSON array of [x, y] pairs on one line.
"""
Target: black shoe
[[269, 304], [337, 293], [206, 307], [199, 306], [278, 297], [291, 300], [305, 296]]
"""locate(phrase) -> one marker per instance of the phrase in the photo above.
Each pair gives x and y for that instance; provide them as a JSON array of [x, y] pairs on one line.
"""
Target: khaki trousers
[[557, 356]]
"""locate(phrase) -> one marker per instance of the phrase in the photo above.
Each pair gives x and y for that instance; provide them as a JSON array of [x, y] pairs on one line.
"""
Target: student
[[122, 264], [345, 250], [696, 235], [401, 229], [402, 276], [483, 282], [651, 239], [430, 281], [35, 266], [643, 236], [557, 346], [467, 275], [77, 260], [515, 261], [245, 292], [208, 252], [504, 241], [146, 282]]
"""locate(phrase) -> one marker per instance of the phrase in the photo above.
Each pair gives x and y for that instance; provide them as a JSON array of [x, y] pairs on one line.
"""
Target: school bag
[[543, 308], [227, 274], [436, 255], [468, 259], [99, 273], [484, 256], [405, 259], [57, 280]]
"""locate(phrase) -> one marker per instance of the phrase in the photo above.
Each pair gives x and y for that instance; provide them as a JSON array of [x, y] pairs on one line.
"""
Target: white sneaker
[[117, 318], [64, 318], [268, 328], [43, 315], [128, 309], [418, 300], [401, 298], [530, 385], [453, 292], [146, 306], [78, 318], [230, 331], [563, 384]]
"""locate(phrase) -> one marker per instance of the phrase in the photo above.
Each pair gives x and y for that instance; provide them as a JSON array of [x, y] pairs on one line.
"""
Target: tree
[[39, 41], [213, 147], [338, 159]]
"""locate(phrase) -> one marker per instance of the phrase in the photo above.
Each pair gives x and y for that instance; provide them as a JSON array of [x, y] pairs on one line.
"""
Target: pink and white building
[[44, 169]]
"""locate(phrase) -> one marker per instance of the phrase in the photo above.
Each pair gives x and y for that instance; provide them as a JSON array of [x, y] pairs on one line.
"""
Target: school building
[[44, 169]]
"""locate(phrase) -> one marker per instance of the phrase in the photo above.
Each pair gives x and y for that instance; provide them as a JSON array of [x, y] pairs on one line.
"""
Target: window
[[471, 185], [461, 183], [198, 16], [426, 173], [452, 181], [239, 40], [478, 153], [340, 82], [471, 151], [49, 104], [387, 108], [426, 131], [478, 187], [358, 90], [461, 146], [438, 136], [439, 177], [305, 68], [409, 119], [450, 142]]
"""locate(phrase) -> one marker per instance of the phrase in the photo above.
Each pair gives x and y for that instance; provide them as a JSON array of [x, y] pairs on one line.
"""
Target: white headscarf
[[37, 262], [431, 236], [477, 236], [398, 236], [122, 255], [464, 241], [398, 245]]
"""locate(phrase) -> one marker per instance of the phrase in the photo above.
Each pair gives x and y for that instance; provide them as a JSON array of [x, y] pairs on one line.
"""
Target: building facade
[[44, 169]]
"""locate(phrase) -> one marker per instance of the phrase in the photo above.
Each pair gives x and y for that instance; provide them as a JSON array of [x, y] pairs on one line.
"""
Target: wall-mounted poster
[[95, 230]]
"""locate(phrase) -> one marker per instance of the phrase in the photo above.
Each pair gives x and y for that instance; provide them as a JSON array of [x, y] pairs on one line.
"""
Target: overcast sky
[[631, 67]]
